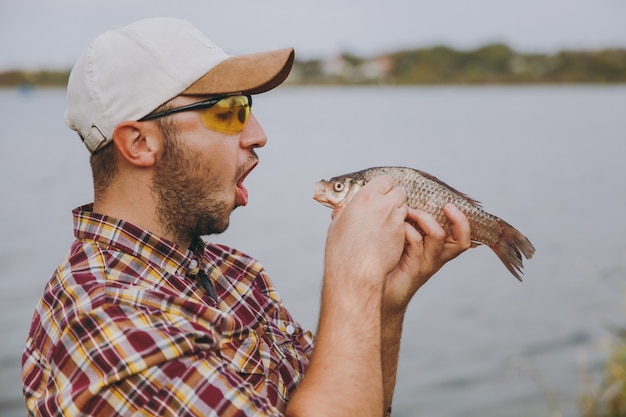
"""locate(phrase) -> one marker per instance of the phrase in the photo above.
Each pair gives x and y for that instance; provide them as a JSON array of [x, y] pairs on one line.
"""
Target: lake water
[[549, 160]]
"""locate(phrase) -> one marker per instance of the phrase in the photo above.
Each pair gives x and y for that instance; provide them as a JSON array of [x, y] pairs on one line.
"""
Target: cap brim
[[247, 74]]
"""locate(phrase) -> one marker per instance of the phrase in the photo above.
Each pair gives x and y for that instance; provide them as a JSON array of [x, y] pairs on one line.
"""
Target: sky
[[52, 33]]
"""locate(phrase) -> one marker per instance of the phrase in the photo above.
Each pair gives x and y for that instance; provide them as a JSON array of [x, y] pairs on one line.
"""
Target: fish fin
[[443, 184], [510, 248]]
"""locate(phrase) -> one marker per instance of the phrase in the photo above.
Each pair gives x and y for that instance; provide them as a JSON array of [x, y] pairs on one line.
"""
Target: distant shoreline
[[491, 64]]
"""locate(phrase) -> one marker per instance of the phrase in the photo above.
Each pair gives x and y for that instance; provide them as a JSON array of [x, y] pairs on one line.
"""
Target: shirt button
[[193, 264], [290, 329]]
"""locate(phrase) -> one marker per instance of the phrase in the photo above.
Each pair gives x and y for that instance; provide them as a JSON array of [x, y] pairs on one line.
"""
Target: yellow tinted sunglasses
[[227, 114]]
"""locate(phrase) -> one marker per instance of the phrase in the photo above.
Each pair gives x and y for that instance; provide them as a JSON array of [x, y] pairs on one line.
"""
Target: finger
[[395, 197], [460, 225], [399, 194], [381, 184], [412, 236], [427, 223], [384, 184]]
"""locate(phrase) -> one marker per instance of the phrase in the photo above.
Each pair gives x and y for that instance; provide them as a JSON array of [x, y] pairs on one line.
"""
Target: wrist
[[392, 314]]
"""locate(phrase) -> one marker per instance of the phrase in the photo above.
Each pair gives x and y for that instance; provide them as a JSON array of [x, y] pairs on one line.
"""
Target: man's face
[[199, 175]]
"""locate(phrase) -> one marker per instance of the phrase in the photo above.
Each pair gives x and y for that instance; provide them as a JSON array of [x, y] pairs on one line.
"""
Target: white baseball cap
[[129, 71]]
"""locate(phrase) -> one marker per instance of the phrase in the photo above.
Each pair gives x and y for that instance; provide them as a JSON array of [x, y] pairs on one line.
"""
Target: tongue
[[242, 195]]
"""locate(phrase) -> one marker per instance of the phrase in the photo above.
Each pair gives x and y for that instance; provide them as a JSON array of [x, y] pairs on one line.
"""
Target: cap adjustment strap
[[95, 139]]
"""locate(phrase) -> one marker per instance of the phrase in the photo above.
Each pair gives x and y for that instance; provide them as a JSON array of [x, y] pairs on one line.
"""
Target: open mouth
[[241, 198], [320, 194]]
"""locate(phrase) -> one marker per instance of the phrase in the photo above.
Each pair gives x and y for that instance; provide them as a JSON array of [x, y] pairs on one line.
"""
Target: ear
[[137, 142]]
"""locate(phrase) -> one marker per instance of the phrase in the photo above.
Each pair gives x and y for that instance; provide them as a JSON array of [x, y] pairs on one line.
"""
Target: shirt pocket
[[284, 336]]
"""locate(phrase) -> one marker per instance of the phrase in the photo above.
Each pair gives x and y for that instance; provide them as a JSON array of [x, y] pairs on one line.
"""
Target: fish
[[427, 193]]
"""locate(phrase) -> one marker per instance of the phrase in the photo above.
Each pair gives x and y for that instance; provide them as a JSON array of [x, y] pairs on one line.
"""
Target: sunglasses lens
[[228, 115]]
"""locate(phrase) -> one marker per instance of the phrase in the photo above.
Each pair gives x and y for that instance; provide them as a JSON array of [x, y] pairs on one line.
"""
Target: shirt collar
[[136, 241]]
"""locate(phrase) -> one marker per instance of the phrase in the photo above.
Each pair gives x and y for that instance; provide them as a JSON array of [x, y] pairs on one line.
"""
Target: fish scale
[[429, 194]]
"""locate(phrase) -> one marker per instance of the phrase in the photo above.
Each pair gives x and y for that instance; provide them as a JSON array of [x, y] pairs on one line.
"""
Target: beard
[[190, 197]]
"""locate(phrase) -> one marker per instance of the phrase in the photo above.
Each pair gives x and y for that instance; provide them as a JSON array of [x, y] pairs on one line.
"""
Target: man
[[145, 318]]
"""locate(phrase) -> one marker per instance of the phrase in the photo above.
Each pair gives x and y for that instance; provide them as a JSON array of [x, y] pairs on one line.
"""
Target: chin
[[216, 226]]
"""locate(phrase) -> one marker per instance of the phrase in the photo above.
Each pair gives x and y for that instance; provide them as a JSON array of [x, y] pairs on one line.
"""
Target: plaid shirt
[[131, 325]]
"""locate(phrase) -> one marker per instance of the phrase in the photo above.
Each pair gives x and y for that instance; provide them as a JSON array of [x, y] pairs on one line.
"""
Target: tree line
[[490, 64]]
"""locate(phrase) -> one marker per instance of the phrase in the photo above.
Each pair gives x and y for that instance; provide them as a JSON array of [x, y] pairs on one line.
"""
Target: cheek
[[223, 167], [214, 155], [220, 154]]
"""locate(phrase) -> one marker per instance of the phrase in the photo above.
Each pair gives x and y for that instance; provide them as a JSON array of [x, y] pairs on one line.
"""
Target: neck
[[135, 203]]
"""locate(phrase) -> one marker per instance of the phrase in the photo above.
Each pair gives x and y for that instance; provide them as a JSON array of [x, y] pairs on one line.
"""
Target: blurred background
[[518, 104]]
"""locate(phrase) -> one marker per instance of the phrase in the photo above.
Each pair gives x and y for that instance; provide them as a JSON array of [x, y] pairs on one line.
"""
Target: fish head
[[336, 192]]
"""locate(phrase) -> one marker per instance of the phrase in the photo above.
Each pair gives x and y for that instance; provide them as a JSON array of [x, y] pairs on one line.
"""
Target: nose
[[253, 136]]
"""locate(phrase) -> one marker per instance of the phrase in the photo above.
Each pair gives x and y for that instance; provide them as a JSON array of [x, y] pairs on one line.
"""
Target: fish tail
[[510, 248]]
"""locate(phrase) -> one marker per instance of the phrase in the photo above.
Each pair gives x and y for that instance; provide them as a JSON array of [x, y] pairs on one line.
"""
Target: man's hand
[[375, 261], [366, 237], [424, 255], [365, 242]]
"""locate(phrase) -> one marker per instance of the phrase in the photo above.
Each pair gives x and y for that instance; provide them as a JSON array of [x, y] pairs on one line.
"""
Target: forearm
[[344, 377], [364, 244], [391, 332]]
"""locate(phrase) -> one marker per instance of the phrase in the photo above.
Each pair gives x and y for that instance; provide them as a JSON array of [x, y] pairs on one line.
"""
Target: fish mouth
[[319, 194]]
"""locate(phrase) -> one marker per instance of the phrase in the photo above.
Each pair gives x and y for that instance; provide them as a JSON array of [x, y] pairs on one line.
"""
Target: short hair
[[104, 162], [103, 168]]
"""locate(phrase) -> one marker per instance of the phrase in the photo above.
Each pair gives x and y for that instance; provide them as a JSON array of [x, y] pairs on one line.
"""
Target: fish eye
[[338, 186]]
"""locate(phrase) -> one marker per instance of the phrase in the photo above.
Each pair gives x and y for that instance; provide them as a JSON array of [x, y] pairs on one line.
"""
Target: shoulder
[[228, 254], [94, 275], [242, 271], [105, 291], [234, 263]]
